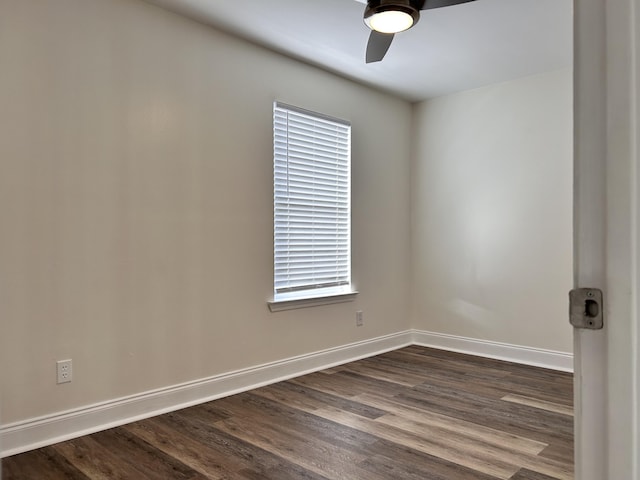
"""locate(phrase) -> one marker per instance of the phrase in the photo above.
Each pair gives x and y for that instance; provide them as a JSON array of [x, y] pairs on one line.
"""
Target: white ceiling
[[451, 49]]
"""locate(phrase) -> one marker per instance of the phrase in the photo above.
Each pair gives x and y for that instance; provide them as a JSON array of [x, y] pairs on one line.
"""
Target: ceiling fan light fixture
[[390, 17]]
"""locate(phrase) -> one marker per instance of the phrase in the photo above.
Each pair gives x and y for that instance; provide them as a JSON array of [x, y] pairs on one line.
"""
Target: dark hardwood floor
[[415, 413]]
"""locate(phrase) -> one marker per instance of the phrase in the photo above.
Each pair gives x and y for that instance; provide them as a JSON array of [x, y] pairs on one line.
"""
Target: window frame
[[295, 296]]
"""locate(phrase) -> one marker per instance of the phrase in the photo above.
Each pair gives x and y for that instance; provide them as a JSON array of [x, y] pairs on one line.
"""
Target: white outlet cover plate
[[64, 370]]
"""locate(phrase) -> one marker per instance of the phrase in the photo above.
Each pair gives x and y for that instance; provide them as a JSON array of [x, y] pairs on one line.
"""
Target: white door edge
[[607, 236]]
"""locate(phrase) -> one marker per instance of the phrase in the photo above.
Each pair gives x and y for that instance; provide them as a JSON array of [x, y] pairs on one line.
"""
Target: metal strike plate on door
[[586, 308]]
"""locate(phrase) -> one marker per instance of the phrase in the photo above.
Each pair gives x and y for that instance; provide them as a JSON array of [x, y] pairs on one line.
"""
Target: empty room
[[267, 239]]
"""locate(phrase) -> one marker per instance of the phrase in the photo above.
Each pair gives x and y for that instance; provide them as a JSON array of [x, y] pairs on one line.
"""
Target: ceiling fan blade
[[378, 45], [429, 4]]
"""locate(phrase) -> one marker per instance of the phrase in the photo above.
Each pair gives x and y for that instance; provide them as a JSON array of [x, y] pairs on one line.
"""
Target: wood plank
[[518, 422], [228, 449], [300, 424], [408, 465], [455, 426], [148, 461], [347, 384], [525, 474], [42, 464], [95, 461], [197, 455], [386, 373], [309, 399], [549, 467], [559, 451], [317, 456], [473, 458], [541, 404]]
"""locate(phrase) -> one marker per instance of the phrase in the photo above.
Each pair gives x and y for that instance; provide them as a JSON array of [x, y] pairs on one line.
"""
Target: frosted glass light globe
[[391, 21]]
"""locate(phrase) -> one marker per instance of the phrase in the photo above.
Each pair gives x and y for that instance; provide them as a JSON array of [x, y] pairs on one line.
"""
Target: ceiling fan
[[385, 18]]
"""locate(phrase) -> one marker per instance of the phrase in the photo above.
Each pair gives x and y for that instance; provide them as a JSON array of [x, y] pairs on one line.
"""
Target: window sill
[[304, 302]]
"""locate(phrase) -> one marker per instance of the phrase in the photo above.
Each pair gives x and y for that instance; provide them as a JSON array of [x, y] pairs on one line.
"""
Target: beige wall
[[492, 183], [136, 203]]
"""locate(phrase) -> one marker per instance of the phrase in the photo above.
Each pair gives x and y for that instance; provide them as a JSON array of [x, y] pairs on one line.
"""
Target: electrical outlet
[[64, 370], [359, 318]]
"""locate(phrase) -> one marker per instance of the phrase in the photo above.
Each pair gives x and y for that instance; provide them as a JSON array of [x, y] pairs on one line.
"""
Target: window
[[312, 206]]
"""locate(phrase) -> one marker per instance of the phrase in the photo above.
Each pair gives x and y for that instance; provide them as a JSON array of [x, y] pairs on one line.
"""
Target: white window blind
[[312, 203]]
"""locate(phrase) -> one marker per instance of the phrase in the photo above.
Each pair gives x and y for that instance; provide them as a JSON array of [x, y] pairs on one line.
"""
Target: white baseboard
[[502, 351], [38, 432]]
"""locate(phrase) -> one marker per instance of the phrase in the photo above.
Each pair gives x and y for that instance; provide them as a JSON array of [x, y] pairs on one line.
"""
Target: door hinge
[[586, 308]]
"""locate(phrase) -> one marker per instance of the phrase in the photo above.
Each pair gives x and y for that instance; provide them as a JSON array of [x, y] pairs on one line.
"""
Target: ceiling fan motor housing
[[407, 6]]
